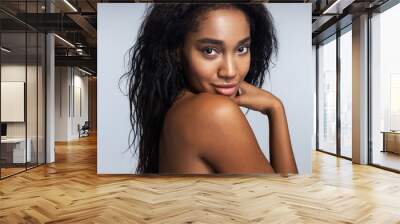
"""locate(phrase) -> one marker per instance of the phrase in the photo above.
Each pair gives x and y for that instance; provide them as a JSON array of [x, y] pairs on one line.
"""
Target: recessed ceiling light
[[84, 71], [337, 7], [70, 5], [65, 41], [5, 50]]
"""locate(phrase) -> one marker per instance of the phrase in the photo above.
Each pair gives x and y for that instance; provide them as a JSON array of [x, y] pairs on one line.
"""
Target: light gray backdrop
[[291, 79]]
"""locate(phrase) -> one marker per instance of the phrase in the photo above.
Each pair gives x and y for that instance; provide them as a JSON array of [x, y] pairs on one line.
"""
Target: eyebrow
[[219, 42]]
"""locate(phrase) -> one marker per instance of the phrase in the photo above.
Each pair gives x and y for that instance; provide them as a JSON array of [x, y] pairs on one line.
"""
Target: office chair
[[84, 130]]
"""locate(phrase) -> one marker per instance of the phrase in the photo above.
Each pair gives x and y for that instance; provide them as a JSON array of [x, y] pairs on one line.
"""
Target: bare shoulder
[[198, 110], [214, 128]]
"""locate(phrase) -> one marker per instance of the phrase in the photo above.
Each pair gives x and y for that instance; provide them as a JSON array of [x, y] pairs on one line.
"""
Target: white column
[[50, 92], [50, 110], [360, 90]]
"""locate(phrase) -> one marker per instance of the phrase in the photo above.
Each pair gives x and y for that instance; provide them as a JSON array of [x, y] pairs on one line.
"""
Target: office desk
[[391, 141], [13, 150]]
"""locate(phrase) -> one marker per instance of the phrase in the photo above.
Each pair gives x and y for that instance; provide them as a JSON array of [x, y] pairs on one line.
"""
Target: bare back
[[175, 155]]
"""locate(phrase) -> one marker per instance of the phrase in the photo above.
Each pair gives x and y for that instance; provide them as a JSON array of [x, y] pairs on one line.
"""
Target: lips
[[226, 89]]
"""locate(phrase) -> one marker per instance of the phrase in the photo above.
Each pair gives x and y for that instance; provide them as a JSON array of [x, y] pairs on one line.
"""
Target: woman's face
[[217, 54]]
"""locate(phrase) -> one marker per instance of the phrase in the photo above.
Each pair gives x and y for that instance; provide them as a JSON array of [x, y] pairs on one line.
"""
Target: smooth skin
[[205, 131]]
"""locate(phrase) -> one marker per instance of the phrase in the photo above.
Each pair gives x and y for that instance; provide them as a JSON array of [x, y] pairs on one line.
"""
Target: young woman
[[191, 68]]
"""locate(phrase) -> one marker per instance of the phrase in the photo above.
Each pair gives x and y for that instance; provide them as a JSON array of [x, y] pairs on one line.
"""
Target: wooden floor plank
[[70, 191]]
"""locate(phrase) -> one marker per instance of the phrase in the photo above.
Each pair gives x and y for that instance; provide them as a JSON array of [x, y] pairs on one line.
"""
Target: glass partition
[[31, 100], [346, 93], [22, 78], [327, 96], [13, 103]]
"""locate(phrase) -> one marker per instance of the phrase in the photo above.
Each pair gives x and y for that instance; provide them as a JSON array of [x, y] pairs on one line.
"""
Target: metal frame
[[26, 89], [387, 5], [316, 97], [369, 90], [338, 98]]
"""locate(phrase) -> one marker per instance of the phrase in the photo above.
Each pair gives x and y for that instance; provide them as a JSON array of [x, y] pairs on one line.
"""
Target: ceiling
[[76, 22]]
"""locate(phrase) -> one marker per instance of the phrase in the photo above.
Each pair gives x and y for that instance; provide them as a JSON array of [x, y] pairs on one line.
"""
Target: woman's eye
[[243, 49], [209, 51]]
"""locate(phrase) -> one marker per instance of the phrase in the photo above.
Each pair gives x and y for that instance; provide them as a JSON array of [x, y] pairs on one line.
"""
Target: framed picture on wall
[[12, 101]]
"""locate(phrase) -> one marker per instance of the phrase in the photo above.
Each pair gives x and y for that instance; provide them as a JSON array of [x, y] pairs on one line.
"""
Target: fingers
[[241, 101], [244, 85], [248, 90], [236, 100]]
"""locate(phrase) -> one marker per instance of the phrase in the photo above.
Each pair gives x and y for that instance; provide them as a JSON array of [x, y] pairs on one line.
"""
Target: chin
[[230, 96]]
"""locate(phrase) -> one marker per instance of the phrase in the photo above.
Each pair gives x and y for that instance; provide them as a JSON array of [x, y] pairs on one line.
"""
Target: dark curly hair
[[155, 77]]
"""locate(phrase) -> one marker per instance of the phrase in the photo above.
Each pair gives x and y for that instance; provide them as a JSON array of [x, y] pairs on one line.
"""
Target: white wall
[[79, 117], [15, 73], [33, 125], [61, 104], [113, 124], [67, 81], [18, 73], [12, 101], [292, 80]]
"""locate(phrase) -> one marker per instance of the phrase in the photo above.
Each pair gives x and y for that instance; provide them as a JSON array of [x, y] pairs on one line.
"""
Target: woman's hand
[[257, 99], [281, 153]]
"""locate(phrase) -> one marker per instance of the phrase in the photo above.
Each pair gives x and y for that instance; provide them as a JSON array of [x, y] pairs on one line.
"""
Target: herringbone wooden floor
[[70, 191]]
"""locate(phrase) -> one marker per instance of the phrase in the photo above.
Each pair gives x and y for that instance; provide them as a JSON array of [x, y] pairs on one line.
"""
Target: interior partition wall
[[334, 94], [22, 77]]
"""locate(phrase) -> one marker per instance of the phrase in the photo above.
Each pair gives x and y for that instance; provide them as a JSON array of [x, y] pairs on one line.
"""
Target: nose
[[228, 68]]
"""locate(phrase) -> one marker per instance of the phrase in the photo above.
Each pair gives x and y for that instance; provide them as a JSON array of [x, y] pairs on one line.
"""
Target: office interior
[[48, 80]]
